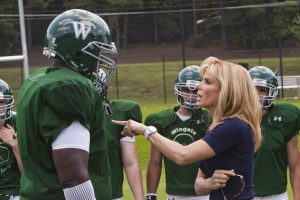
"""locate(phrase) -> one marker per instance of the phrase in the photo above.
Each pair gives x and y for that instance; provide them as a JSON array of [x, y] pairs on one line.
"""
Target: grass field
[[153, 83], [144, 84]]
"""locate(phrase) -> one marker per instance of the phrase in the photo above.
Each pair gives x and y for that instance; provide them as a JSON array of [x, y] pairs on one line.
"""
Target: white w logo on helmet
[[81, 29]]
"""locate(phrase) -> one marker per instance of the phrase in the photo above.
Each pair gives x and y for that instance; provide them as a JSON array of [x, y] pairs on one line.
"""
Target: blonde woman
[[227, 150]]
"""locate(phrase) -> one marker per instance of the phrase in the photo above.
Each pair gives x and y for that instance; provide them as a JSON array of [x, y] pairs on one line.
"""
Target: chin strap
[[107, 108]]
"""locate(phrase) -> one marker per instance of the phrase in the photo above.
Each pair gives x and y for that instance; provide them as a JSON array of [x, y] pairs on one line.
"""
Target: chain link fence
[[154, 46]]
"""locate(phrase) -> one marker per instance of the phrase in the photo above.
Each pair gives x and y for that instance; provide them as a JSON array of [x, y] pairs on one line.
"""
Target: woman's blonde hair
[[238, 96]]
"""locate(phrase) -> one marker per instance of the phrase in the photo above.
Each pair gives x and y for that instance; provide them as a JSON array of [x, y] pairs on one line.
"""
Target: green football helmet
[[187, 80], [83, 41], [6, 101], [264, 77]]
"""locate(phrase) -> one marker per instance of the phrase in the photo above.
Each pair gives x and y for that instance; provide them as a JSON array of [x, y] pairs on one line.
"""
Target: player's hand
[[8, 135], [131, 127]]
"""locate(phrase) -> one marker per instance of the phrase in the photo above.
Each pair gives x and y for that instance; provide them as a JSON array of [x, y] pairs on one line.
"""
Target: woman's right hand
[[131, 127]]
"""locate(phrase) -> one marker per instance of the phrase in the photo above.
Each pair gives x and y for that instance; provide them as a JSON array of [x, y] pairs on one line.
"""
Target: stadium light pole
[[23, 39], [280, 51], [182, 28], [195, 18]]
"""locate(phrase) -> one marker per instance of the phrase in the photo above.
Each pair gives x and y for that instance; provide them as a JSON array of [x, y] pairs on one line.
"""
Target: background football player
[[122, 150], [61, 118], [10, 162], [280, 126], [184, 124]]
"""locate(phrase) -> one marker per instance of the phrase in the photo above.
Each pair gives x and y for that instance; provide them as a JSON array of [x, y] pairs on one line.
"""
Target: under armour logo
[[198, 121], [81, 29], [277, 118]]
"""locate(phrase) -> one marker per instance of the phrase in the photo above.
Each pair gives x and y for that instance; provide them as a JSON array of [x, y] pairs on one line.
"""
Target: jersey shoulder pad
[[123, 105], [202, 116], [126, 109], [161, 119], [39, 72], [288, 111]]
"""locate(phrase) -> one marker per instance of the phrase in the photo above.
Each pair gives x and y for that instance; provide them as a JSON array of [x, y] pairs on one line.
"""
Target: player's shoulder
[[201, 112], [64, 75], [123, 105], [63, 79], [161, 117], [36, 75], [202, 115], [285, 107], [58, 77], [285, 111], [38, 72]]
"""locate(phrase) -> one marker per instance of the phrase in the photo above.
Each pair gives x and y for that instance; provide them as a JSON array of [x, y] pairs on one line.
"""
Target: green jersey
[[180, 179], [49, 101], [9, 172], [121, 110], [279, 125]]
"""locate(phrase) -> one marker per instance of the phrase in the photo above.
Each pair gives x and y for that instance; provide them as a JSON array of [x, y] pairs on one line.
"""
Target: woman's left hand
[[220, 177], [131, 127]]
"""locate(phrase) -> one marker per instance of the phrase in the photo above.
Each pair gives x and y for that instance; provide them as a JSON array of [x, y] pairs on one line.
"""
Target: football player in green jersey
[[10, 162], [184, 124], [122, 150], [61, 117], [280, 128]]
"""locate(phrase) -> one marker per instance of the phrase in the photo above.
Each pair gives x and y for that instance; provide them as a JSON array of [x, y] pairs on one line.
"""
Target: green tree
[[295, 28], [36, 4], [125, 6], [80, 4], [9, 33]]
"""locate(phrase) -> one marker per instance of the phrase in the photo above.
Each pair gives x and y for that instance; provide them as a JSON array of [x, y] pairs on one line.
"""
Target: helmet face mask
[[82, 40], [6, 101], [101, 53], [186, 87], [264, 77]]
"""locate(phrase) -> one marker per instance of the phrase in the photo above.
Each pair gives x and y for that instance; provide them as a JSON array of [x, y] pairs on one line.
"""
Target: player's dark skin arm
[[72, 166]]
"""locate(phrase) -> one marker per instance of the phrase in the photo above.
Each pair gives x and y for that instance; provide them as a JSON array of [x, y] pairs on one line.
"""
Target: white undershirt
[[127, 139], [183, 117], [74, 136]]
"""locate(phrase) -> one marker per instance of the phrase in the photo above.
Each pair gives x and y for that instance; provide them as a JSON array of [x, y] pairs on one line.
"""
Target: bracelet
[[150, 130], [150, 196]]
